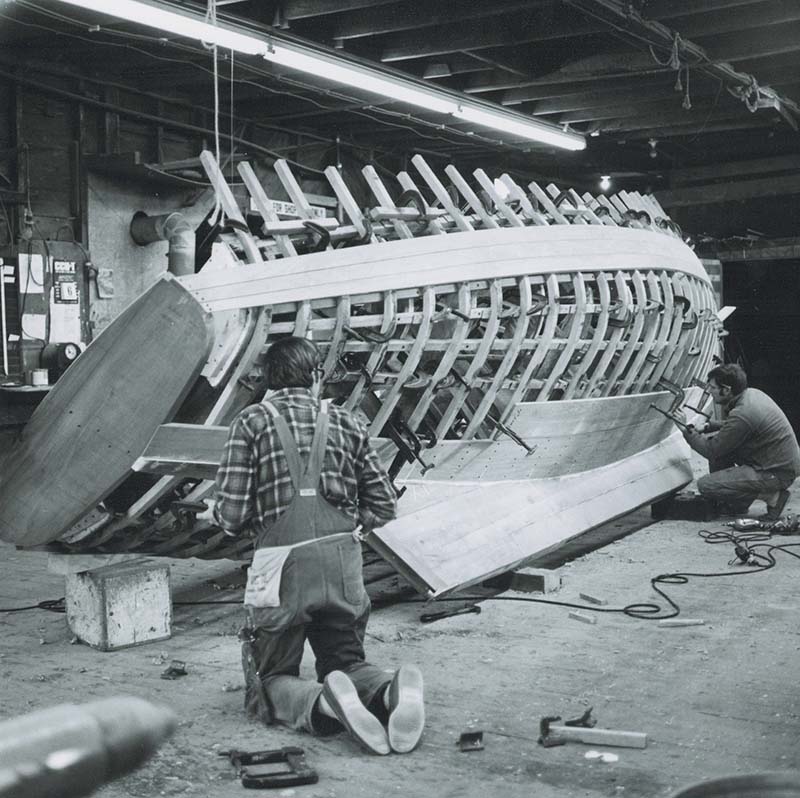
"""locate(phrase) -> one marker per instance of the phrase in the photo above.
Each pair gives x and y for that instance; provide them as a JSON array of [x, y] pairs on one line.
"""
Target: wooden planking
[[83, 438], [191, 450], [627, 426], [441, 260], [498, 525]]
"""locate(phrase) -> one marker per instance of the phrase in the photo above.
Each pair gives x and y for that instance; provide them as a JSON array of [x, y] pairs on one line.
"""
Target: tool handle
[[429, 617]]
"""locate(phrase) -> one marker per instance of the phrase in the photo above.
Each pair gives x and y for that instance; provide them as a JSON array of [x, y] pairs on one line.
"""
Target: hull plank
[[83, 438], [494, 527]]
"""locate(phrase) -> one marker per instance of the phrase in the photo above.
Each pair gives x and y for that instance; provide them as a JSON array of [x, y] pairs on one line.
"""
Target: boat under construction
[[514, 351]]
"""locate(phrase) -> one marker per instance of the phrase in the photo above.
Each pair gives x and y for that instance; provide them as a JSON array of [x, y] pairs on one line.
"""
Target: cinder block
[[120, 605], [535, 580]]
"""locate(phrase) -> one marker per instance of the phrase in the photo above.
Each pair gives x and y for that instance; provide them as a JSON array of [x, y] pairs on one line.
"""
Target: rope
[[674, 60], [217, 215]]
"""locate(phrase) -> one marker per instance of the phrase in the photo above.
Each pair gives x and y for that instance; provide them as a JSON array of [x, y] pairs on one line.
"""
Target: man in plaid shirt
[[299, 477]]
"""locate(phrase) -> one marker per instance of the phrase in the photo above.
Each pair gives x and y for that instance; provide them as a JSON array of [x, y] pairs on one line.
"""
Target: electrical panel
[[44, 309]]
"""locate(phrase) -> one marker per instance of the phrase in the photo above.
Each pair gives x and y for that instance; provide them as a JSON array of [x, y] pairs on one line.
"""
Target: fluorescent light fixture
[[365, 79], [154, 16], [304, 59], [521, 127]]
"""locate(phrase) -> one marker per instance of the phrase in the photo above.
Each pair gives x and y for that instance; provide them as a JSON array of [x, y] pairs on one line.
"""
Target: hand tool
[[252, 767], [671, 418], [430, 617], [582, 730], [470, 741]]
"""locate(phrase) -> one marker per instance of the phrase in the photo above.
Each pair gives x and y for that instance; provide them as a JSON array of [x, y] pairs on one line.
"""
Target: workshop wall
[[125, 269]]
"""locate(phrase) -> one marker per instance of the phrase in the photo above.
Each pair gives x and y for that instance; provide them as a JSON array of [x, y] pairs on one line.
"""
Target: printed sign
[[65, 282]]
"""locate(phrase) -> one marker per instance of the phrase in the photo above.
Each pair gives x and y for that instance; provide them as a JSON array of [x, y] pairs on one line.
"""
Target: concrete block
[[535, 580], [120, 605]]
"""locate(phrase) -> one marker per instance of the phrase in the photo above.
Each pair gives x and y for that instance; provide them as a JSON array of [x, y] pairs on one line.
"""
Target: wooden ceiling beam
[[742, 18], [667, 128], [579, 101], [413, 15], [669, 9], [731, 191], [553, 22], [303, 9], [671, 111], [723, 171], [643, 33], [756, 43]]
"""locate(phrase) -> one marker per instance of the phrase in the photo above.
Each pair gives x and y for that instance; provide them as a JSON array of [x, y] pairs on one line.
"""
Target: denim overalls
[[320, 597]]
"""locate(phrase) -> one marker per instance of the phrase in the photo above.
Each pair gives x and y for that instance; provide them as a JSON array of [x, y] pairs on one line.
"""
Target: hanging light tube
[[330, 68], [154, 16]]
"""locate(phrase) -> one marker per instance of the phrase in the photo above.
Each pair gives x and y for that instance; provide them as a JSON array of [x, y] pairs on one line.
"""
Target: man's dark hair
[[290, 363], [730, 374]]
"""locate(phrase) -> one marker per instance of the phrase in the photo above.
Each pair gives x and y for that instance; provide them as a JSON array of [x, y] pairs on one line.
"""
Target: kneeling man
[[752, 452]]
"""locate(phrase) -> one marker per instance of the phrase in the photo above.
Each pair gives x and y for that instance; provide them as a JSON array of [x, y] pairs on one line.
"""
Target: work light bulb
[[605, 182]]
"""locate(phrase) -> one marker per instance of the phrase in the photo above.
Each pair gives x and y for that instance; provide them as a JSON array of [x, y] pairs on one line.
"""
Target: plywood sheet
[[82, 440]]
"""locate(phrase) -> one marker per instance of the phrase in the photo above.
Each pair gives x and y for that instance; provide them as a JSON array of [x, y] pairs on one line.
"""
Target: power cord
[[747, 547]]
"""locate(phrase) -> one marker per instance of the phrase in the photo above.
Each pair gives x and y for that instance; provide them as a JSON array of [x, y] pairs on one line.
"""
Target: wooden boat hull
[[505, 362], [83, 438]]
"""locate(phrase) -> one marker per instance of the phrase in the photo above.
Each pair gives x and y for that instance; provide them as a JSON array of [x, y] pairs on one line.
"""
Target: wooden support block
[[682, 622], [588, 597], [580, 734], [535, 580], [120, 605], [577, 615]]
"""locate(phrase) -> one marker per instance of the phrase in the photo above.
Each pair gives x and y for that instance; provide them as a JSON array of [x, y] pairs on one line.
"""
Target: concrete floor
[[715, 700]]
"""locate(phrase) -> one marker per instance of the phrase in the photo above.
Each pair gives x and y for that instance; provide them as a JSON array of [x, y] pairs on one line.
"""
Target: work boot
[[406, 709], [775, 509], [342, 697]]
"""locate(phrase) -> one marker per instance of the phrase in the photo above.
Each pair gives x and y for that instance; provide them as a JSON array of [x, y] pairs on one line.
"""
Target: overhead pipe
[[171, 227]]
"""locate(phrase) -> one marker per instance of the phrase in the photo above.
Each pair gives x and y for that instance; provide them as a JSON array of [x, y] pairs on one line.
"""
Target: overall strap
[[289, 446], [309, 476], [317, 455]]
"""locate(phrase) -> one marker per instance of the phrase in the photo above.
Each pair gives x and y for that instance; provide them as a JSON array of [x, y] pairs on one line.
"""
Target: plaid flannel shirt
[[253, 482]]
